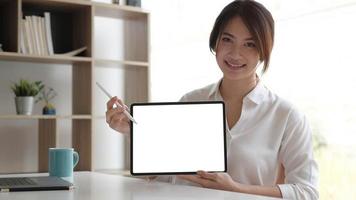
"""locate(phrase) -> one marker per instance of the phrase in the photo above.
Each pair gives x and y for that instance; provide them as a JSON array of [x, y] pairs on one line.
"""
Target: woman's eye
[[250, 44], [226, 39]]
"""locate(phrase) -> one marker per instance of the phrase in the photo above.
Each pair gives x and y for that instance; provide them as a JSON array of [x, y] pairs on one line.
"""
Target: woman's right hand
[[116, 118]]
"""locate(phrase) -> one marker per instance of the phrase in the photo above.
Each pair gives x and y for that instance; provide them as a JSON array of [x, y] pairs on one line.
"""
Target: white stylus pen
[[108, 94]]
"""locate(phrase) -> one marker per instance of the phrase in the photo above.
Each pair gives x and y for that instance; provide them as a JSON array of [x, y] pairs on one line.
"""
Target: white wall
[[180, 55]]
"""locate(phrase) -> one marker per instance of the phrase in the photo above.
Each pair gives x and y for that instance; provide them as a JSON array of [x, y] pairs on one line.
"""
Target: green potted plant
[[25, 91], [46, 95]]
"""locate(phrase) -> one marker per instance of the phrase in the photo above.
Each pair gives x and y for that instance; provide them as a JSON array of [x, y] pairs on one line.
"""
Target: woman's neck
[[236, 90]]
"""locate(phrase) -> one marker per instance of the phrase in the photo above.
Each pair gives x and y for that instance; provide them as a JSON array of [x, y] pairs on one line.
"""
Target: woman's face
[[236, 53]]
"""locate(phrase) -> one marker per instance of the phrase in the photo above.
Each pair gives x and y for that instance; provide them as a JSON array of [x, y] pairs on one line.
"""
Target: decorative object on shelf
[[1, 50], [136, 3], [116, 1], [25, 91], [46, 95], [74, 52]]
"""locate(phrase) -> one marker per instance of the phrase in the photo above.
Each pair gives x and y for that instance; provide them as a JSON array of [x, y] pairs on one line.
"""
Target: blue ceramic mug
[[61, 162]]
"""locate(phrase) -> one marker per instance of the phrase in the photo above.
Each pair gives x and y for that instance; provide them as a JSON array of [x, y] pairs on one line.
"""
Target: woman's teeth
[[235, 66]]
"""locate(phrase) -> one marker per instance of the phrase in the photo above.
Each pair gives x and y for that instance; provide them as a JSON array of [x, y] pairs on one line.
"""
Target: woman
[[269, 143]]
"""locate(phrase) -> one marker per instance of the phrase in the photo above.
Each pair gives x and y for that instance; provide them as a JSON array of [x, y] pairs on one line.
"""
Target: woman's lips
[[234, 66]]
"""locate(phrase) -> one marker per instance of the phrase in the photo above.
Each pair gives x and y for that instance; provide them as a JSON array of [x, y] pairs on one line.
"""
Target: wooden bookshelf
[[72, 25]]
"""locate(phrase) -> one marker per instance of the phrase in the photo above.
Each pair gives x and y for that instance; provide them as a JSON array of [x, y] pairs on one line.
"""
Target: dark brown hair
[[258, 21]]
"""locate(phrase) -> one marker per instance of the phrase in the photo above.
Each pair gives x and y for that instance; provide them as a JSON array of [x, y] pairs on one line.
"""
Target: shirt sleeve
[[184, 98], [296, 155]]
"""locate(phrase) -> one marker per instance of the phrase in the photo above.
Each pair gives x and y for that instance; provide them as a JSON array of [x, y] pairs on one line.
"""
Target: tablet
[[178, 138]]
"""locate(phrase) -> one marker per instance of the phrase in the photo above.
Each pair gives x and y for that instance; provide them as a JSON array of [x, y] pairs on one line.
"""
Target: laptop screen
[[178, 138]]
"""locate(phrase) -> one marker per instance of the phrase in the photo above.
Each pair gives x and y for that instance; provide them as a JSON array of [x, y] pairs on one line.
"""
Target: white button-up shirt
[[270, 132]]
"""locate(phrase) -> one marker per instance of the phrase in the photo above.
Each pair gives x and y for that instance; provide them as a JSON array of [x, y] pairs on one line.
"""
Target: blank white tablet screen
[[178, 138]]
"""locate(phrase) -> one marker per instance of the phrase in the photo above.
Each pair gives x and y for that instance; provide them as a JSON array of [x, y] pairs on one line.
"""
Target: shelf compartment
[[129, 39], [135, 80], [130, 32], [55, 59], [70, 23], [136, 85], [9, 25], [130, 84]]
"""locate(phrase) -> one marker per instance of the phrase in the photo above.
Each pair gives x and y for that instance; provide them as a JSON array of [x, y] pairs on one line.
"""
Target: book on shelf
[[29, 33], [22, 37], [43, 51], [47, 26], [43, 31], [25, 37], [36, 35]]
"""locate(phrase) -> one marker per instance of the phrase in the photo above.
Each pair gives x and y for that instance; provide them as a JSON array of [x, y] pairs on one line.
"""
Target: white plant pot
[[24, 105]]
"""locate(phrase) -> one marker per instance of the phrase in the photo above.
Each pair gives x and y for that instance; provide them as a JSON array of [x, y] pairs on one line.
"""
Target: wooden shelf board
[[45, 117], [118, 11], [55, 59], [103, 9], [66, 4], [106, 62]]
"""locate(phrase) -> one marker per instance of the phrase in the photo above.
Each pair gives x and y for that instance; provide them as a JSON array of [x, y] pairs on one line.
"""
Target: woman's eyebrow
[[228, 34], [231, 35]]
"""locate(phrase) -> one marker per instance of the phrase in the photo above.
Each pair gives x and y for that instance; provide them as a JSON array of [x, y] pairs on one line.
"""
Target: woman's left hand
[[221, 181]]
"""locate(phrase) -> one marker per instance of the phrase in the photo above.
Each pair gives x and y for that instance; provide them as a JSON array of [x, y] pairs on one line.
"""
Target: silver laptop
[[12, 184]]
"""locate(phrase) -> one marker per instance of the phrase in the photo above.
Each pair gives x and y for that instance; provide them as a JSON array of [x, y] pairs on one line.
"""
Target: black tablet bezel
[[174, 103]]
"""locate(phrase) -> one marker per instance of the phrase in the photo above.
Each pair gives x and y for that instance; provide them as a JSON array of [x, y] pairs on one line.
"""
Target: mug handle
[[75, 158]]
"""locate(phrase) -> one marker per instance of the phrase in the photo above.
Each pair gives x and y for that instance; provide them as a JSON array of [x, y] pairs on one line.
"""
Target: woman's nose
[[236, 52]]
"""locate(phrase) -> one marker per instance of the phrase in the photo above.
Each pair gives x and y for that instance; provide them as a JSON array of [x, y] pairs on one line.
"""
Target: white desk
[[98, 186]]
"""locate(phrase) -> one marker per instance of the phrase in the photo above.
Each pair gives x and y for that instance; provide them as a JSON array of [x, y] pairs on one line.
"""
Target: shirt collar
[[256, 95], [214, 90]]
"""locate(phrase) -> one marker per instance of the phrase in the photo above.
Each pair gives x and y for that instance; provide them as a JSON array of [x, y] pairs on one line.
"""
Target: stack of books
[[36, 36]]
